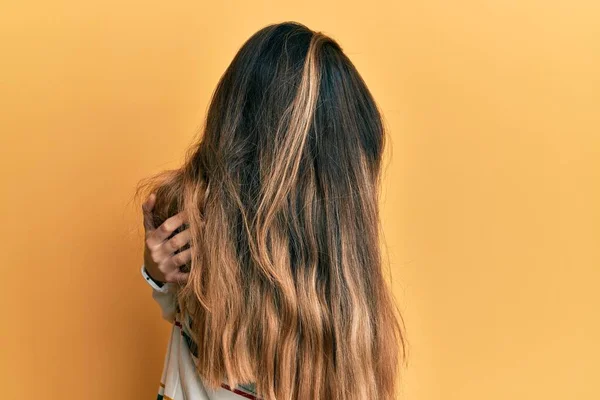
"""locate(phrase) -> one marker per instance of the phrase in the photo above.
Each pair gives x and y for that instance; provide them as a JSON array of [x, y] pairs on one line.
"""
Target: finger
[[147, 207], [167, 228], [180, 277], [176, 242], [180, 259]]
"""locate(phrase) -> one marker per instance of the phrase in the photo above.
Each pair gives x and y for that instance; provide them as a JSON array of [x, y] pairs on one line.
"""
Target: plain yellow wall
[[491, 202]]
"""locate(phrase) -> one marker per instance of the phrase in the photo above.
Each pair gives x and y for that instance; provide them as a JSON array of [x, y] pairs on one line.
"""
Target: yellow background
[[491, 202]]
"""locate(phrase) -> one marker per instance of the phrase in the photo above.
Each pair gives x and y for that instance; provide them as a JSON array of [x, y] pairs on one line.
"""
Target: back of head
[[286, 287]]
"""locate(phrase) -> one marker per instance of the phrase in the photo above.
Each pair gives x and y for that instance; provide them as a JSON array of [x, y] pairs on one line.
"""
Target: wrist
[[155, 283], [156, 280]]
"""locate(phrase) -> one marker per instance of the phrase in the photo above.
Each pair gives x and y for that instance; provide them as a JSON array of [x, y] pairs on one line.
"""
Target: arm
[[164, 294]]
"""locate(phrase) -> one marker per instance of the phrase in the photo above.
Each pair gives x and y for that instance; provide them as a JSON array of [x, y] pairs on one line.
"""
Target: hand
[[159, 259]]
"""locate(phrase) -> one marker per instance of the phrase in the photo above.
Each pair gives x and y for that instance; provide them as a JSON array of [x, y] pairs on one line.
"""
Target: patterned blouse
[[179, 379]]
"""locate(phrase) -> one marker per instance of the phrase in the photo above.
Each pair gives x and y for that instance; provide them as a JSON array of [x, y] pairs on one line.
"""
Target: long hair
[[286, 288]]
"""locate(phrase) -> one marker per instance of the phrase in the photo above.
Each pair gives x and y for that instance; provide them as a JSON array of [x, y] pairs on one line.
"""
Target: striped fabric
[[179, 379], [181, 342], [240, 392]]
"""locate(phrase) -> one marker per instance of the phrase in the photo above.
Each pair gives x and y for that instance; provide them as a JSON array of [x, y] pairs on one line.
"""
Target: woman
[[263, 248]]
